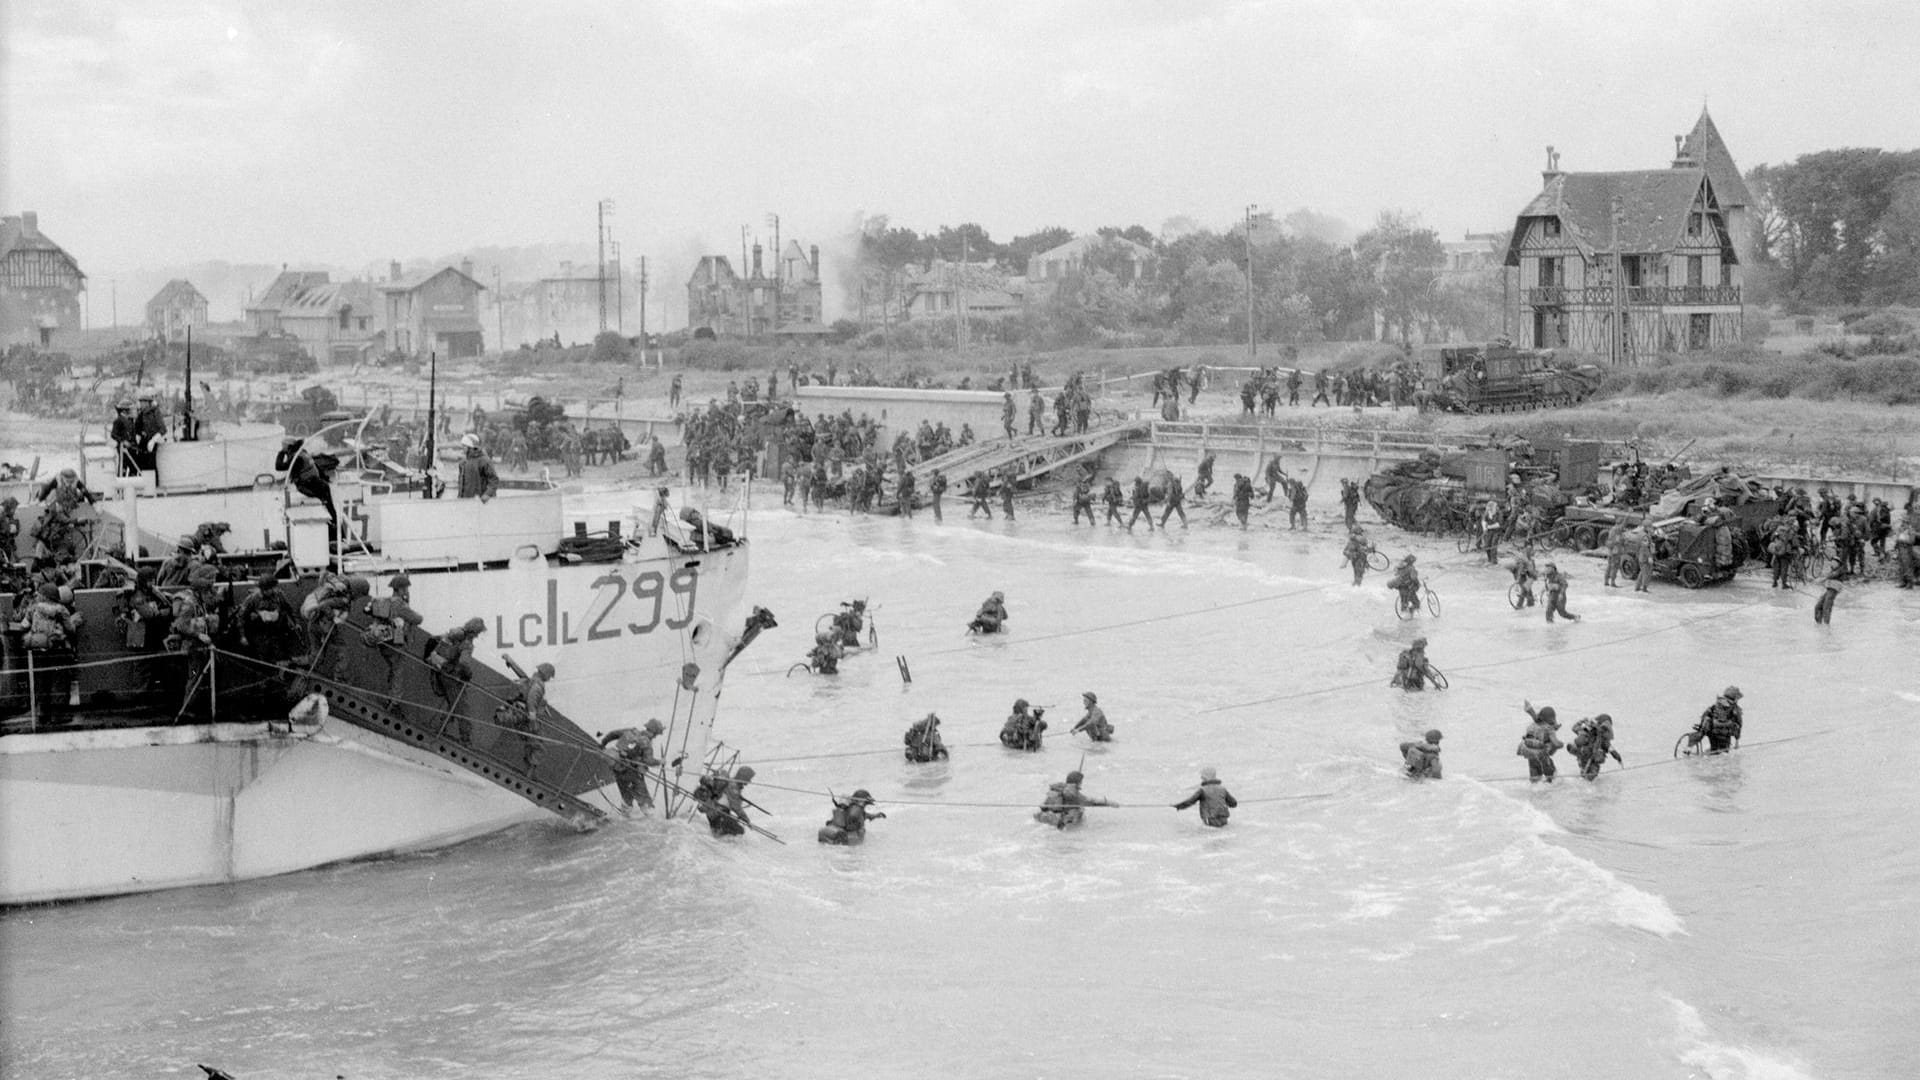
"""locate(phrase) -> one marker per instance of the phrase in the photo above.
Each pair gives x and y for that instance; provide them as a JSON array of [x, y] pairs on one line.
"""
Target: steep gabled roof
[[1653, 209], [793, 253], [287, 288], [1710, 151], [16, 236], [177, 293], [713, 270], [410, 282]]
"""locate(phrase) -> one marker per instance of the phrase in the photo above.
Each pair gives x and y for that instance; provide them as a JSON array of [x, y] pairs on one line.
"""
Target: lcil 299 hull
[[125, 800]]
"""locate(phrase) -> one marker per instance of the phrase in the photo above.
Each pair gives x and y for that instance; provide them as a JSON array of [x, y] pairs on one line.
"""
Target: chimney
[[30, 222], [814, 250], [393, 270], [1552, 172], [756, 258], [1682, 159], [466, 267]]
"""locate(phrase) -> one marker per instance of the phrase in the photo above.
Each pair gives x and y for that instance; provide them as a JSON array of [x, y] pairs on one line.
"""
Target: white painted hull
[[106, 812], [101, 813]]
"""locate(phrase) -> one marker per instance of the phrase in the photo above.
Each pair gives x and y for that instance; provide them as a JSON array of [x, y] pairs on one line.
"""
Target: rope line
[[1496, 663]]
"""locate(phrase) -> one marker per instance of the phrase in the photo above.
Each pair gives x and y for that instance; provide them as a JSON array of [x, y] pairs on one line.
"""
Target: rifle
[[187, 426], [433, 373]]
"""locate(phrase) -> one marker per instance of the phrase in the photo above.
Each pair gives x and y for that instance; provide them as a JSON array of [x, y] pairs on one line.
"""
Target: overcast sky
[[165, 131]]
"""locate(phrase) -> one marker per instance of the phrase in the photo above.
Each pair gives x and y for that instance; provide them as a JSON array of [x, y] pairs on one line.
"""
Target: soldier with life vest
[[1720, 725], [937, 487], [632, 755], [979, 491], [1141, 503], [1539, 743], [1094, 723], [718, 797], [1524, 573], [923, 741], [1356, 551], [1556, 583], [1242, 497], [1349, 501], [9, 530], [1406, 582], [824, 658], [992, 616], [266, 622], [527, 714], [1410, 671], [1216, 802], [390, 622], [51, 629], [447, 655], [847, 825], [1083, 500], [1024, 729], [1114, 498], [1422, 758], [1593, 744], [124, 432], [1066, 804], [1203, 478], [1176, 502]]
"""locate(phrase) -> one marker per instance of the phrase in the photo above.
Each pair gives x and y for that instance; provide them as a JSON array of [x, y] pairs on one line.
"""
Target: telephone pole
[[774, 220], [643, 307], [1618, 353], [1251, 351], [619, 289], [606, 208], [499, 314]]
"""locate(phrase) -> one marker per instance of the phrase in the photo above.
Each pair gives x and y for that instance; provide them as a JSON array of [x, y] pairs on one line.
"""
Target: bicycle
[[1428, 598], [1519, 593]]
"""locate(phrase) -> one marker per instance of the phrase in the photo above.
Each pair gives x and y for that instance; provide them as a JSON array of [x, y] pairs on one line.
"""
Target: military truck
[[1692, 554], [1500, 378]]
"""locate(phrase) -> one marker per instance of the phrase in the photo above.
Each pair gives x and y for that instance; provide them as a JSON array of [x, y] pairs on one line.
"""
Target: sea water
[[1752, 915]]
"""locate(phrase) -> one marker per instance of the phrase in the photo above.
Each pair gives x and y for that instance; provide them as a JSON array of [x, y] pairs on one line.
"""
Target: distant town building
[[944, 290], [335, 321], [567, 307], [1676, 235], [40, 284], [1128, 260], [435, 311], [1476, 253], [177, 307], [787, 304]]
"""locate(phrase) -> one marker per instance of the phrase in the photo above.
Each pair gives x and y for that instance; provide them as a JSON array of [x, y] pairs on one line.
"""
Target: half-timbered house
[[40, 284], [1652, 251]]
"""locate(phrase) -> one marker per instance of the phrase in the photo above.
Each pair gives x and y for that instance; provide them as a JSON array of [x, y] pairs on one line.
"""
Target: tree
[[1895, 267], [1404, 261]]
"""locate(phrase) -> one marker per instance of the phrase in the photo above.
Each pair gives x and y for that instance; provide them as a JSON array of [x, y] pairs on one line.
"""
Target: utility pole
[[499, 314], [606, 208], [113, 295], [1618, 353], [746, 295], [774, 220], [619, 290], [1251, 350], [643, 310]]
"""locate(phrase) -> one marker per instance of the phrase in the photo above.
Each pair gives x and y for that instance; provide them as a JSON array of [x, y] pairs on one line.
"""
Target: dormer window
[[1696, 223], [1550, 228]]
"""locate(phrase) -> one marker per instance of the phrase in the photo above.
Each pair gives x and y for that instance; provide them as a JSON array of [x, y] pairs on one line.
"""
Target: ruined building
[[175, 309], [786, 304], [40, 284], [1656, 252]]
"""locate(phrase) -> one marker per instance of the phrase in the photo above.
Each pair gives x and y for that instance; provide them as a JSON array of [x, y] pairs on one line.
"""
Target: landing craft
[[178, 769]]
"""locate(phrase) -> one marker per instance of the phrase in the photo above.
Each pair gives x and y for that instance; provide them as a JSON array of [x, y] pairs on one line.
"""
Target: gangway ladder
[[421, 718]]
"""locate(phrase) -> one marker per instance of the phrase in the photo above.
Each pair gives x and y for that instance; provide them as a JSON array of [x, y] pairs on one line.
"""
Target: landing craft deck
[[151, 787]]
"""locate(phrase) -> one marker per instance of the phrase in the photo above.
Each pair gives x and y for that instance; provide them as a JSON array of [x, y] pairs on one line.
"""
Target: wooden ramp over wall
[[1030, 456]]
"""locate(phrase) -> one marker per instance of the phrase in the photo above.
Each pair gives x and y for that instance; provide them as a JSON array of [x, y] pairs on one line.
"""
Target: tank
[[1500, 378]]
